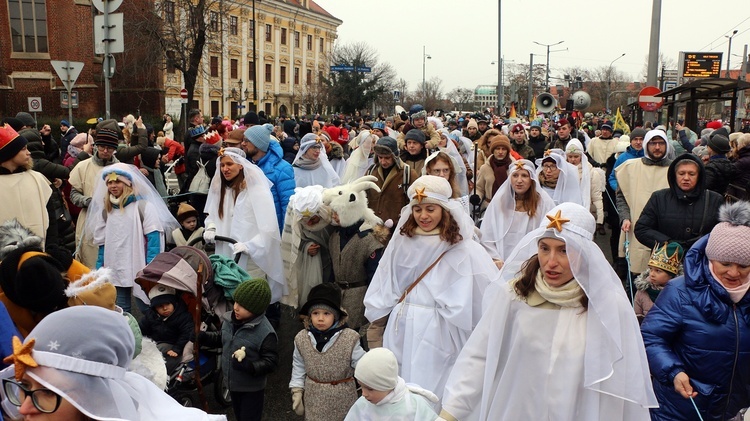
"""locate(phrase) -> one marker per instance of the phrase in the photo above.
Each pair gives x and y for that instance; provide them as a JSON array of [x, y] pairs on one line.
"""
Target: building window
[[169, 11], [170, 62], [269, 28], [296, 75], [215, 108], [252, 30], [320, 44], [283, 36], [233, 25], [213, 22], [283, 74], [320, 78], [309, 42], [28, 26], [309, 77], [251, 73], [296, 39], [233, 68], [214, 66], [268, 73], [268, 108]]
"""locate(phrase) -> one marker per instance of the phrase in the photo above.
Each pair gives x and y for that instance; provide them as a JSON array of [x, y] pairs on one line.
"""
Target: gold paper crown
[[661, 258]]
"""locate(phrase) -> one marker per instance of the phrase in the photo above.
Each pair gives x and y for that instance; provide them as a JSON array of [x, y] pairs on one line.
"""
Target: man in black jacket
[[719, 169]]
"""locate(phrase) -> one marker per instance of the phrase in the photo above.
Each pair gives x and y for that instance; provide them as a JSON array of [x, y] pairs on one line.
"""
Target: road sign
[[396, 95], [35, 104], [342, 68], [364, 69], [647, 99], [68, 71], [115, 39], [183, 96], [111, 5], [64, 99]]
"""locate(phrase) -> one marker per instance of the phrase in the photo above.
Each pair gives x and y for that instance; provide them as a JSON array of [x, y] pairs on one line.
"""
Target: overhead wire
[[710, 44]]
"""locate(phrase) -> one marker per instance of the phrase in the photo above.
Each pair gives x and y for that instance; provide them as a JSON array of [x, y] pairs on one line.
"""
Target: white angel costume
[[567, 188], [92, 375], [247, 219], [308, 172], [359, 159], [427, 329], [591, 181], [123, 231], [406, 402], [503, 226], [541, 357], [460, 174]]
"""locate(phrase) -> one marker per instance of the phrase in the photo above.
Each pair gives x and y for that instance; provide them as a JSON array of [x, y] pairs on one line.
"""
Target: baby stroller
[[188, 270]]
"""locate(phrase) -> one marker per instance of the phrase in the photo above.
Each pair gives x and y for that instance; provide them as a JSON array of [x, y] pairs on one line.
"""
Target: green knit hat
[[254, 295]]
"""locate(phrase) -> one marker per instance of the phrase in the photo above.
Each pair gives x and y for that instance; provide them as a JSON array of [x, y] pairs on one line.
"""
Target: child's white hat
[[378, 369]]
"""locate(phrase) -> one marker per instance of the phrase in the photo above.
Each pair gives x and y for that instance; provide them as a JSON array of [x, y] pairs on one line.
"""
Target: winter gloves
[[297, 405]]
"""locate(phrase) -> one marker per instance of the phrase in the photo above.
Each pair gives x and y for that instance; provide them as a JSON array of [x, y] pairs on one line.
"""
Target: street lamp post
[[425, 56], [729, 53], [609, 78], [240, 96], [546, 80]]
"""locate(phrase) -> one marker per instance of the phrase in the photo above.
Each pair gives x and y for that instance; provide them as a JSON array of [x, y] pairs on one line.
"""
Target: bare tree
[[665, 62], [431, 94], [315, 98], [460, 98]]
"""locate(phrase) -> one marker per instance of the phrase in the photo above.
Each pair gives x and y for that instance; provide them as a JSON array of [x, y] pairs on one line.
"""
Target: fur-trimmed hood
[[14, 235], [642, 283]]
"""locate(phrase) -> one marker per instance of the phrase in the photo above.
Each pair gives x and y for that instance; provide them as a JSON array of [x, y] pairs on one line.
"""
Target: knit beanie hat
[[107, 133], [639, 132], [326, 296], [719, 144], [729, 241], [472, 123], [26, 119], [254, 295], [251, 118], [10, 143], [162, 294], [80, 140], [185, 211], [416, 135], [386, 145], [430, 189], [378, 369], [260, 136], [93, 289], [33, 280], [499, 141]]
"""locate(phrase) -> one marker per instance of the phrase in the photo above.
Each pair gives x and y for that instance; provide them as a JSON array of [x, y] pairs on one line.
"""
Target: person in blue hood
[[697, 334]]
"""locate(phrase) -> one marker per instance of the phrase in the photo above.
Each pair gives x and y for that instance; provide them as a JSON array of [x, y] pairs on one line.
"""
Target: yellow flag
[[532, 112], [620, 123], [512, 111]]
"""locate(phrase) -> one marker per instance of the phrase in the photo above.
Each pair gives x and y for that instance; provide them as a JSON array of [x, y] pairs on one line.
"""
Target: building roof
[[485, 90], [313, 7]]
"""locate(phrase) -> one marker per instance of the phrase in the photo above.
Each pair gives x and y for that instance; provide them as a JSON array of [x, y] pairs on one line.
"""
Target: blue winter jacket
[[694, 327], [629, 153], [281, 175]]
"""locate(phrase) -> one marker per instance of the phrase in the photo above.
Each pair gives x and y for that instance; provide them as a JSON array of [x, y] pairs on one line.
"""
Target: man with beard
[[268, 155], [518, 142], [537, 141], [637, 179], [603, 146]]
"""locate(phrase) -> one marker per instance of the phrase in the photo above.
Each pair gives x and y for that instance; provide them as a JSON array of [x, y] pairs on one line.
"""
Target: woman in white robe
[[591, 179], [430, 320], [311, 166], [240, 206], [558, 178], [558, 339], [443, 165], [517, 208]]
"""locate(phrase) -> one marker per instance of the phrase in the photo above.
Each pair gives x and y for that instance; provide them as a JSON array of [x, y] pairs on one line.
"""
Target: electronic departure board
[[702, 65]]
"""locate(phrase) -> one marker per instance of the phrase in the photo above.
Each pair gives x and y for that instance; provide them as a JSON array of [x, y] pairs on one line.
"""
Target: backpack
[[201, 181]]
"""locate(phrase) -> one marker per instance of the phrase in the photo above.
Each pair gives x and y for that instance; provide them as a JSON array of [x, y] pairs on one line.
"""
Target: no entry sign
[[647, 99]]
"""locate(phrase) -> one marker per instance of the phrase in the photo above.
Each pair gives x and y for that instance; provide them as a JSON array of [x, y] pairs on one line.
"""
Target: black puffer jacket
[[177, 329], [719, 172], [39, 151], [675, 215]]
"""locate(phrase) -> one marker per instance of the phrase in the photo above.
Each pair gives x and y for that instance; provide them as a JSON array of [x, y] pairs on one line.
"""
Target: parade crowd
[[443, 266]]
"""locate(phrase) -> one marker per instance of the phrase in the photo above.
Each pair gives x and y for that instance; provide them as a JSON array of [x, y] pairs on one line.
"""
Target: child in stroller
[[169, 324]]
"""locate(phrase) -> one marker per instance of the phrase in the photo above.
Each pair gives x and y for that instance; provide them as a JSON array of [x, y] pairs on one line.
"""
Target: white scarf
[[568, 295], [735, 293]]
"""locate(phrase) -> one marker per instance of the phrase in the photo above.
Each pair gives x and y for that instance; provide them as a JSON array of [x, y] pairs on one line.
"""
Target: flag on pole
[[512, 111], [620, 123], [532, 113]]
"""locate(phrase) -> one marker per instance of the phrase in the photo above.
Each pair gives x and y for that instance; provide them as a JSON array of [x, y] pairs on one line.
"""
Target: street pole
[[609, 79], [530, 96], [741, 95], [546, 79], [107, 64], [500, 87], [425, 56], [255, 64], [729, 53], [653, 52]]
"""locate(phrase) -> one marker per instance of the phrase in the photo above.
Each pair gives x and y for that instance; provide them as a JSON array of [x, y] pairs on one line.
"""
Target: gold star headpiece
[[420, 195], [21, 357], [557, 221]]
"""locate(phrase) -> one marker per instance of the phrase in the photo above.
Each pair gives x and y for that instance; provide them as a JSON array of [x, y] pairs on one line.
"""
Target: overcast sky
[[461, 36]]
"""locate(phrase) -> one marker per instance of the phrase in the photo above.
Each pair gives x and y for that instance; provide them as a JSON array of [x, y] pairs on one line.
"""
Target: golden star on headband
[[557, 221], [21, 357], [221, 152], [306, 213], [519, 165], [420, 195], [547, 152], [112, 176]]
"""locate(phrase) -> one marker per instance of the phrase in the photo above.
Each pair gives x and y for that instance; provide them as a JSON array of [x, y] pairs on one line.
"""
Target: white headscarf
[[499, 214], [670, 154], [88, 368], [568, 188], [307, 142], [615, 358], [251, 222], [574, 146]]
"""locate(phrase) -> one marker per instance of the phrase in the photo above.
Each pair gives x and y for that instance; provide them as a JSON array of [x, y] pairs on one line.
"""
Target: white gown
[[319, 176], [541, 380]]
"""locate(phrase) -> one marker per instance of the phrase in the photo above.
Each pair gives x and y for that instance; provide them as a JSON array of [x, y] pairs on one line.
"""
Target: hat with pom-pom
[[729, 241]]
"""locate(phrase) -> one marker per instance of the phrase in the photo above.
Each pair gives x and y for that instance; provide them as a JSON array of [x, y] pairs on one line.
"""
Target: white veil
[[585, 182], [614, 358], [499, 214], [568, 188], [251, 222], [310, 140], [359, 159]]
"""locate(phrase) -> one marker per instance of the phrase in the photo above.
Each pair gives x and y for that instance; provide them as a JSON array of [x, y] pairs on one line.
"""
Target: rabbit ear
[[365, 185]]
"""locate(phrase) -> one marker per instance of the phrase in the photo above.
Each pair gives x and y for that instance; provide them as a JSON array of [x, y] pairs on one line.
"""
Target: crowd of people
[[443, 265]]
